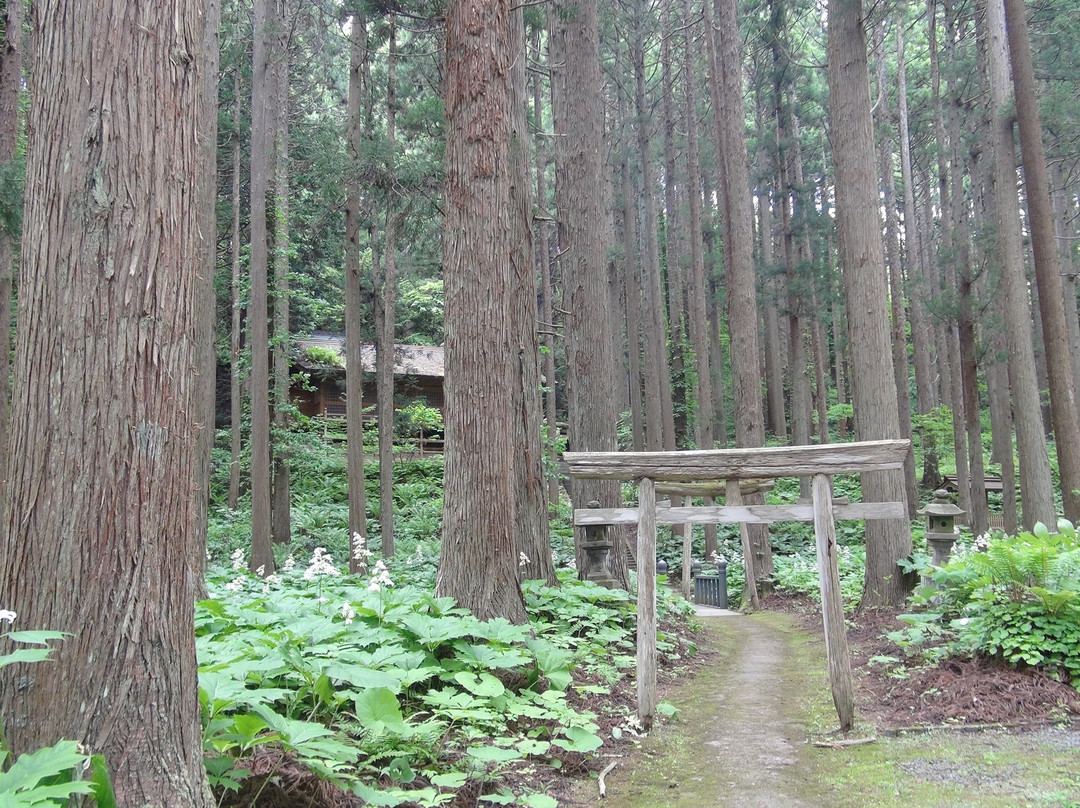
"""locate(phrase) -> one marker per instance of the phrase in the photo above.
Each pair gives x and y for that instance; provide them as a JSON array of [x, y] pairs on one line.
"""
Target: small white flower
[[347, 612], [236, 584], [289, 564], [321, 564], [380, 575], [523, 559], [238, 558], [374, 586], [7, 616], [261, 570]]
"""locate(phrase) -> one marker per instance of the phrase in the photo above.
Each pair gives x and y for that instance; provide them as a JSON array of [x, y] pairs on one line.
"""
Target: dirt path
[[740, 730], [740, 741]]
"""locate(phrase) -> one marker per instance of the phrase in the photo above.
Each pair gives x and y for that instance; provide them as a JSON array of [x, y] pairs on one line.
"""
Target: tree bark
[[699, 321], [280, 506], [1036, 484], [104, 422], [741, 284], [1063, 408], [531, 527], [354, 369], [577, 113], [898, 318], [236, 341], [386, 309], [479, 561], [863, 265], [262, 554]]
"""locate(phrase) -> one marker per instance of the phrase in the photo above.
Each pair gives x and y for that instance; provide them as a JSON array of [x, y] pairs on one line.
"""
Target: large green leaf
[[377, 710], [30, 769], [484, 684]]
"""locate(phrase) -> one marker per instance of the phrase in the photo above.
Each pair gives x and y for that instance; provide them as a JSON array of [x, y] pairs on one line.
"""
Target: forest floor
[[755, 699]]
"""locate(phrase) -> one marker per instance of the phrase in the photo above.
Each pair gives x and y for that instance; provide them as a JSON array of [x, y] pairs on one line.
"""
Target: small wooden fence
[[733, 466]]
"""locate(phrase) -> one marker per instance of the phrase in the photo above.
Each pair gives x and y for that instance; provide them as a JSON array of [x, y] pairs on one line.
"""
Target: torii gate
[[733, 465]]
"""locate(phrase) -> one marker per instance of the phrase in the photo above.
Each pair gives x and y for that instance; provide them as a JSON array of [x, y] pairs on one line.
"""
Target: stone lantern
[[941, 516]]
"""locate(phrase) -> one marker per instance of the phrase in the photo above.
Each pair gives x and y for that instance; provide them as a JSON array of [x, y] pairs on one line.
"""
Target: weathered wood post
[[832, 607], [646, 602], [733, 497]]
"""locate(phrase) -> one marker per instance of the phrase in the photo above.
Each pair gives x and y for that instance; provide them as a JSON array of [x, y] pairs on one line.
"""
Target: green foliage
[[1014, 598], [319, 355], [52, 775], [398, 696]]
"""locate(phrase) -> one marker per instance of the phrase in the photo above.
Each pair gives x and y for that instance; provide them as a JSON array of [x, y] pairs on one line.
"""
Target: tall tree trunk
[[262, 554], [385, 310], [925, 397], [863, 266], [1047, 269], [479, 560], [577, 112], [1036, 485], [206, 308], [547, 292], [699, 323], [738, 254], [659, 421], [1066, 236], [107, 407], [898, 336], [354, 369], [632, 274], [10, 81], [236, 401], [531, 527], [280, 506]]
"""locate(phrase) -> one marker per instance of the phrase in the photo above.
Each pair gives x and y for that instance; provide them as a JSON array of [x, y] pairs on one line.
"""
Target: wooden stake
[[646, 602], [832, 606], [733, 498]]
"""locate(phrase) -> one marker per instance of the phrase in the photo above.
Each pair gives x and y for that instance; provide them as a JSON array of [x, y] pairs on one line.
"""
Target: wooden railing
[[733, 466]]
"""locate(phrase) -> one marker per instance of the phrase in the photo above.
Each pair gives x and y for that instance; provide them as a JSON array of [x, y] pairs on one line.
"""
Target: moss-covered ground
[[746, 722]]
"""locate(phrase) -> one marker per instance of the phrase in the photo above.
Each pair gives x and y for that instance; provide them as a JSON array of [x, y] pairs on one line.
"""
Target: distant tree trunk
[[659, 421], [738, 254], [99, 535], [10, 81], [354, 370], [863, 265], [632, 273], [1036, 484], [774, 351], [925, 396], [547, 292], [531, 526], [236, 401], [699, 321], [1066, 236], [206, 367], [479, 565], [385, 311], [1063, 405], [262, 553], [898, 319], [281, 528], [577, 111]]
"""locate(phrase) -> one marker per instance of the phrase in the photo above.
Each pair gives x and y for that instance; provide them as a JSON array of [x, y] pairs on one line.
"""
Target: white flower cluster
[[416, 559], [236, 585], [360, 553], [237, 557], [289, 565], [7, 616], [321, 564], [523, 559], [348, 612], [380, 577]]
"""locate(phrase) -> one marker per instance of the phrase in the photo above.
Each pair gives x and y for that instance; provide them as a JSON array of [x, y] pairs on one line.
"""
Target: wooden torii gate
[[733, 465]]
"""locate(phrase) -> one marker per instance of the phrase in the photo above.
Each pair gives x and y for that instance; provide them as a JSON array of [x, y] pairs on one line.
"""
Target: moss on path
[[741, 735]]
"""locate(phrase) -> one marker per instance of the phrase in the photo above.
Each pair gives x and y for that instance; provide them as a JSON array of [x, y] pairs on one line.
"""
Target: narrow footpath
[[741, 725]]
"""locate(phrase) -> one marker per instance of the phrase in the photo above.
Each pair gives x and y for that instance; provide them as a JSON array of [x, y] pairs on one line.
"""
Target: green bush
[[1014, 598]]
